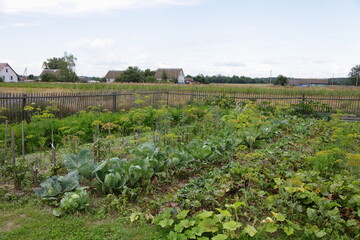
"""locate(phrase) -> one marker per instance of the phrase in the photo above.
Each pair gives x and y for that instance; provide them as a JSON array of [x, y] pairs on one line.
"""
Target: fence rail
[[12, 104]]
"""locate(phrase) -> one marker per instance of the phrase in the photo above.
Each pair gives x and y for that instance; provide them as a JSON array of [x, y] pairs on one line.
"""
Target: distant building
[[52, 71], [112, 75], [189, 80], [7, 73], [49, 73], [171, 73], [307, 82]]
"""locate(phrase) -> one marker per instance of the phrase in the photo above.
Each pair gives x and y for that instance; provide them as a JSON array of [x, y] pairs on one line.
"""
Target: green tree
[[164, 76], [150, 79], [281, 80], [131, 74], [50, 77], [148, 73], [354, 75], [65, 64], [201, 79]]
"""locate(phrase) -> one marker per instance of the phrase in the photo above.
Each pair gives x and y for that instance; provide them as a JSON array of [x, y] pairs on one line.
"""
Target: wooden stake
[[23, 139], [36, 169], [53, 149], [5, 140], [13, 156], [5, 147], [13, 146]]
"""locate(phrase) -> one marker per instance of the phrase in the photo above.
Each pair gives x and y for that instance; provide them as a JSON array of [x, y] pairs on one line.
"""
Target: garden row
[[205, 172]]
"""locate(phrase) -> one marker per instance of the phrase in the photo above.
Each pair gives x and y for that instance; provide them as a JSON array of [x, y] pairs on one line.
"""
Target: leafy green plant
[[83, 163], [73, 201], [204, 224], [54, 186], [311, 108]]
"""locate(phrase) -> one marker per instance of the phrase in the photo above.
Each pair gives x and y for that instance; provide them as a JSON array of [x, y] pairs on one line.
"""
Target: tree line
[[65, 67]]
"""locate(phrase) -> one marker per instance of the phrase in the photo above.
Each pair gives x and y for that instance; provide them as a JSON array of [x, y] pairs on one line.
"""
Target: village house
[[171, 74], [307, 82], [112, 75], [52, 71], [7, 73]]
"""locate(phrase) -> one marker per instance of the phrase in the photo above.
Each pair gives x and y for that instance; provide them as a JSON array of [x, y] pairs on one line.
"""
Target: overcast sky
[[296, 38]]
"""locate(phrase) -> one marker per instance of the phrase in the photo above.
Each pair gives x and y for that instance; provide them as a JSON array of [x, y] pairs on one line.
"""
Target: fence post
[[167, 98], [23, 106], [303, 97], [114, 102]]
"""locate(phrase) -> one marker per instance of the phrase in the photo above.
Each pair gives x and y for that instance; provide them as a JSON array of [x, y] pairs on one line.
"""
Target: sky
[[254, 38]]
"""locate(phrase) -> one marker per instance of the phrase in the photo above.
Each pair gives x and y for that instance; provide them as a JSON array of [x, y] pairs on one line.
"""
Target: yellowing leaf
[[279, 216]]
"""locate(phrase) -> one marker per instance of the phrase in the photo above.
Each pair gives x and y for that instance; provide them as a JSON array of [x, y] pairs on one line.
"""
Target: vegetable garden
[[210, 170]]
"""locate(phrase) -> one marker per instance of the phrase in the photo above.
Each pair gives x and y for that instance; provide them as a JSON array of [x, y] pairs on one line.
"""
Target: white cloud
[[230, 63], [83, 6], [86, 43]]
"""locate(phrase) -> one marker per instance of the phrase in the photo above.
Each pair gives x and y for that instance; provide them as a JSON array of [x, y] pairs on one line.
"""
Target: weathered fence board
[[69, 103]]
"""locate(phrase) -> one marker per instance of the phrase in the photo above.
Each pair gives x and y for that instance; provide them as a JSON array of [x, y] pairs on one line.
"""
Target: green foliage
[[201, 79], [311, 108], [83, 163], [204, 224], [328, 160], [131, 74], [50, 77], [54, 187], [253, 171], [65, 64], [354, 75], [164, 76], [281, 80], [73, 201], [221, 101]]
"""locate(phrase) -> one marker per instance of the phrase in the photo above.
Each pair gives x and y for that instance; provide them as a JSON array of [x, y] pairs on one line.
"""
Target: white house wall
[[8, 74], [181, 77]]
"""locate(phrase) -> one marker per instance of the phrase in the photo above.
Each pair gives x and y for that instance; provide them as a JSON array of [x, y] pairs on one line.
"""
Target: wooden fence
[[13, 105]]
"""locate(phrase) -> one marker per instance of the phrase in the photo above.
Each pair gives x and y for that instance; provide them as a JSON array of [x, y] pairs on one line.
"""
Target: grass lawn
[[32, 221]]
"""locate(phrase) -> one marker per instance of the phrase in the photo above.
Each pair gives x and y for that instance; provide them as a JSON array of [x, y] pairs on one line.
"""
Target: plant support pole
[[53, 149], [5, 139], [5, 146], [23, 139], [13, 158], [36, 169]]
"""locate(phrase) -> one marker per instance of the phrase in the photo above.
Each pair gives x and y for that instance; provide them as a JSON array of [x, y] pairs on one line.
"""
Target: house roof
[[308, 81], [53, 71], [2, 65], [113, 74], [170, 72]]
